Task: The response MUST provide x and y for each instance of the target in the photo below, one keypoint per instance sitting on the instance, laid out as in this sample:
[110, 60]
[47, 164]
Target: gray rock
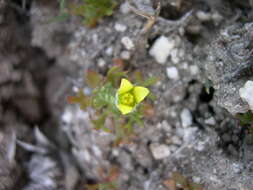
[186, 118]
[230, 65]
[160, 151]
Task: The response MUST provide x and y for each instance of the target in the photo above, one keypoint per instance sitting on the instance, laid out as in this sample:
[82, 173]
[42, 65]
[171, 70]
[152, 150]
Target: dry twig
[151, 18]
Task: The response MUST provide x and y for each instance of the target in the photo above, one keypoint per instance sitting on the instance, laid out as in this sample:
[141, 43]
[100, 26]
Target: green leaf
[151, 96]
[93, 10]
[249, 139]
[93, 79]
[150, 81]
[99, 123]
[62, 5]
[104, 96]
[245, 118]
[114, 74]
[138, 77]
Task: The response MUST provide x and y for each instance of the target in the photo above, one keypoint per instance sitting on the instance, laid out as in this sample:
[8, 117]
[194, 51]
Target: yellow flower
[129, 96]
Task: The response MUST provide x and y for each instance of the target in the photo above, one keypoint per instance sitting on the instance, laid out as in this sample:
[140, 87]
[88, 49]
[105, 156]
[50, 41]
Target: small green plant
[246, 120]
[91, 11]
[117, 106]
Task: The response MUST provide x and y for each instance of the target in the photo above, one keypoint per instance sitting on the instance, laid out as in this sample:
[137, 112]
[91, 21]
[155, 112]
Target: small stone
[194, 29]
[75, 89]
[174, 56]
[125, 160]
[125, 55]
[173, 148]
[124, 8]
[200, 146]
[217, 17]
[120, 27]
[246, 93]
[235, 138]
[86, 155]
[115, 152]
[203, 16]
[101, 62]
[194, 69]
[232, 150]
[196, 179]
[190, 134]
[186, 118]
[166, 126]
[127, 42]
[237, 168]
[109, 51]
[67, 116]
[226, 137]
[160, 151]
[210, 121]
[161, 49]
[172, 73]
[184, 65]
[176, 140]
[97, 151]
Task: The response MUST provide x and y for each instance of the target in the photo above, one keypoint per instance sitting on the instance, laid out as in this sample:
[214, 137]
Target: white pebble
[125, 55]
[200, 146]
[237, 168]
[101, 62]
[174, 56]
[124, 8]
[186, 118]
[109, 51]
[210, 121]
[160, 151]
[194, 69]
[127, 42]
[246, 93]
[96, 151]
[75, 89]
[217, 17]
[203, 16]
[196, 179]
[172, 73]
[120, 27]
[67, 116]
[161, 49]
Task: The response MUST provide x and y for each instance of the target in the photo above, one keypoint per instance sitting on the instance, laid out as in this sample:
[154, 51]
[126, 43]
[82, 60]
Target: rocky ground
[48, 144]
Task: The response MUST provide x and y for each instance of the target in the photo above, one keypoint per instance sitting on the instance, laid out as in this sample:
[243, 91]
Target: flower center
[127, 99]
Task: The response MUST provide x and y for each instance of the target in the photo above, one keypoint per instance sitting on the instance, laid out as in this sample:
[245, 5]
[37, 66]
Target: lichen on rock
[229, 65]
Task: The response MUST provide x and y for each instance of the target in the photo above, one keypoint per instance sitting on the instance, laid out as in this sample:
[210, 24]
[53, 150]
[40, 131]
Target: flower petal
[125, 109]
[140, 93]
[125, 86]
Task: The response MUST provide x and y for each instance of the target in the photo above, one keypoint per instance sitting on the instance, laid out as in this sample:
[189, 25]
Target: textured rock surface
[9, 170]
[230, 65]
